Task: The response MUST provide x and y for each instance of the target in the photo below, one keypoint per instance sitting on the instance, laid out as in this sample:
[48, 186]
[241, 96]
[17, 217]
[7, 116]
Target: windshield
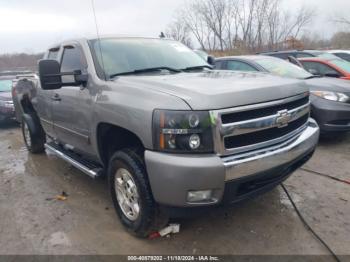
[5, 85]
[342, 64]
[283, 68]
[202, 54]
[120, 55]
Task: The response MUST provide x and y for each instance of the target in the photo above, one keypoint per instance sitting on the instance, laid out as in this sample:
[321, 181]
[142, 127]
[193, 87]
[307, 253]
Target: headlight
[334, 96]
[182, 131]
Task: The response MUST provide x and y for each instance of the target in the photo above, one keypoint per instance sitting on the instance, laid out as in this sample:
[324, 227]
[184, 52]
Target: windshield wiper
[313, 76]
[145, 70]
[197, 67]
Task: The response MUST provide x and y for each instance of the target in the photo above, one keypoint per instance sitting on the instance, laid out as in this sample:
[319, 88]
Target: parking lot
[33, 222]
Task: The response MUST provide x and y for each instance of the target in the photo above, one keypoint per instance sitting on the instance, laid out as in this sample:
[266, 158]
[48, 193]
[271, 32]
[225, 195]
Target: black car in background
[299, 54]
[330, 97]
[7, 109]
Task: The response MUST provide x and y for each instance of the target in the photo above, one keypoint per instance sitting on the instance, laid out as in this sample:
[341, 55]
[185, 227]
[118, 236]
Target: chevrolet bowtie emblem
[283, 118]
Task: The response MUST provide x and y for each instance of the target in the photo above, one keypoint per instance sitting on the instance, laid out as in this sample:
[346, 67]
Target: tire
[126, 168]
[33, 134]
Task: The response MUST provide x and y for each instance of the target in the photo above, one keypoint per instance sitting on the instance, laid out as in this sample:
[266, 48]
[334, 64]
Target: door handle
[56, 97]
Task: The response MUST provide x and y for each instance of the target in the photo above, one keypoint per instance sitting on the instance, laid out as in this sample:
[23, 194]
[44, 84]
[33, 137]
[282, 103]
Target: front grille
[251, 127]
[261, 112]
[265, 135]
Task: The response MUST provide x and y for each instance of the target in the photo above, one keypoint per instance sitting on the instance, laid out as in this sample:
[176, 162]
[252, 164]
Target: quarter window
[53, 54]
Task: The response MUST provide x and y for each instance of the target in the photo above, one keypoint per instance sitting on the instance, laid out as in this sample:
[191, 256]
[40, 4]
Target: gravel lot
[32, 223]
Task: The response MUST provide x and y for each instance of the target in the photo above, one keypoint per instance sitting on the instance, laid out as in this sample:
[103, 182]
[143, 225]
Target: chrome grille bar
[258, 124]
[278, 120]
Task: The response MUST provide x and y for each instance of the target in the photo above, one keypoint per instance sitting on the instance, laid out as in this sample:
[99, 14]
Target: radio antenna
[99, 39]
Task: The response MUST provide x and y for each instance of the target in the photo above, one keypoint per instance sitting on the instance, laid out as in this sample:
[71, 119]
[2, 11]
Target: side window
[239, 66]
[219, 65]
[72, 59]
[319, 68]
[53, 53]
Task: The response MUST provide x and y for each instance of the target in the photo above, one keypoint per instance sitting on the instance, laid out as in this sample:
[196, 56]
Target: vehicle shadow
[333, 139]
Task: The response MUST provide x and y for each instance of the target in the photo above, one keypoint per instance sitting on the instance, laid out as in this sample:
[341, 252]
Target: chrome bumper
[241, 165]
[171, 176]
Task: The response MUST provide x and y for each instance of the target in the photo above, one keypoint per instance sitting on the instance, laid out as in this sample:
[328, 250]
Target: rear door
[72, 105]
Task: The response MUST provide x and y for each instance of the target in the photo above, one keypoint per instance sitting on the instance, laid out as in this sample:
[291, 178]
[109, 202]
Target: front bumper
[172, 176]
[331, 116]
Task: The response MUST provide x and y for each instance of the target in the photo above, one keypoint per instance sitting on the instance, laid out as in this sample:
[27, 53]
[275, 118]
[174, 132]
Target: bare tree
[179, 31]
[196, 24]
[284, 25]
[342, 20]
[229, 24]
[340, 40]
[215, 14]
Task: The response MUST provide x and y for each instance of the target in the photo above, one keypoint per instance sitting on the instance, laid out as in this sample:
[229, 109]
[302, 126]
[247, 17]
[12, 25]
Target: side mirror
[52, 78]
[80, 78]
[49, 73]
[211, 60]
[295, 61]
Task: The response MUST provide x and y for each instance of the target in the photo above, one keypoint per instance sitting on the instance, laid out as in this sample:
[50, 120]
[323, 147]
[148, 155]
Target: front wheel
[33, 135]
[131, 194]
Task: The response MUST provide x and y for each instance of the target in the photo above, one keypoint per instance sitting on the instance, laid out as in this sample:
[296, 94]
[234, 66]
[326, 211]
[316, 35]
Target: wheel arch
[27, 106]
[111, 138]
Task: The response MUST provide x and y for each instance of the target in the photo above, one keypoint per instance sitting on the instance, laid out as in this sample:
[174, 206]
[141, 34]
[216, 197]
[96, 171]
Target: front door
[43, 102]
[71, 107]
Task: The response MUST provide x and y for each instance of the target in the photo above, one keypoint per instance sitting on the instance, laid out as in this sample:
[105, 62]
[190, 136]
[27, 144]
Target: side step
[83, 165]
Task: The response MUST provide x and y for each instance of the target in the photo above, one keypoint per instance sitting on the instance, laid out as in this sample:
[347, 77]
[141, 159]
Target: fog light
[199, 196]
[194, 141]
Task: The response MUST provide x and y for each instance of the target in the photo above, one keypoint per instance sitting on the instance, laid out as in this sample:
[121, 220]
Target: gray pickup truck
[167, 130]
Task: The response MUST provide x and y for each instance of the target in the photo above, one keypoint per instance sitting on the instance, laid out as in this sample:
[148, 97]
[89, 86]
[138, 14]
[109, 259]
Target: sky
[32, 25]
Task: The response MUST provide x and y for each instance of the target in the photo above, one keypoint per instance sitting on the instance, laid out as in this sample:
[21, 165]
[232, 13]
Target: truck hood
[210, 90]
[328, 84]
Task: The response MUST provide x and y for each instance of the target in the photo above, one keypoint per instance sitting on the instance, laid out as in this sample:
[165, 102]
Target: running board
[86, 167]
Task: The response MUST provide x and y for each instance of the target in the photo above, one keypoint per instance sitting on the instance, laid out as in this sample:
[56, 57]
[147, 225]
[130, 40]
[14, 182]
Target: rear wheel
[33, 135]
[131, 194]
